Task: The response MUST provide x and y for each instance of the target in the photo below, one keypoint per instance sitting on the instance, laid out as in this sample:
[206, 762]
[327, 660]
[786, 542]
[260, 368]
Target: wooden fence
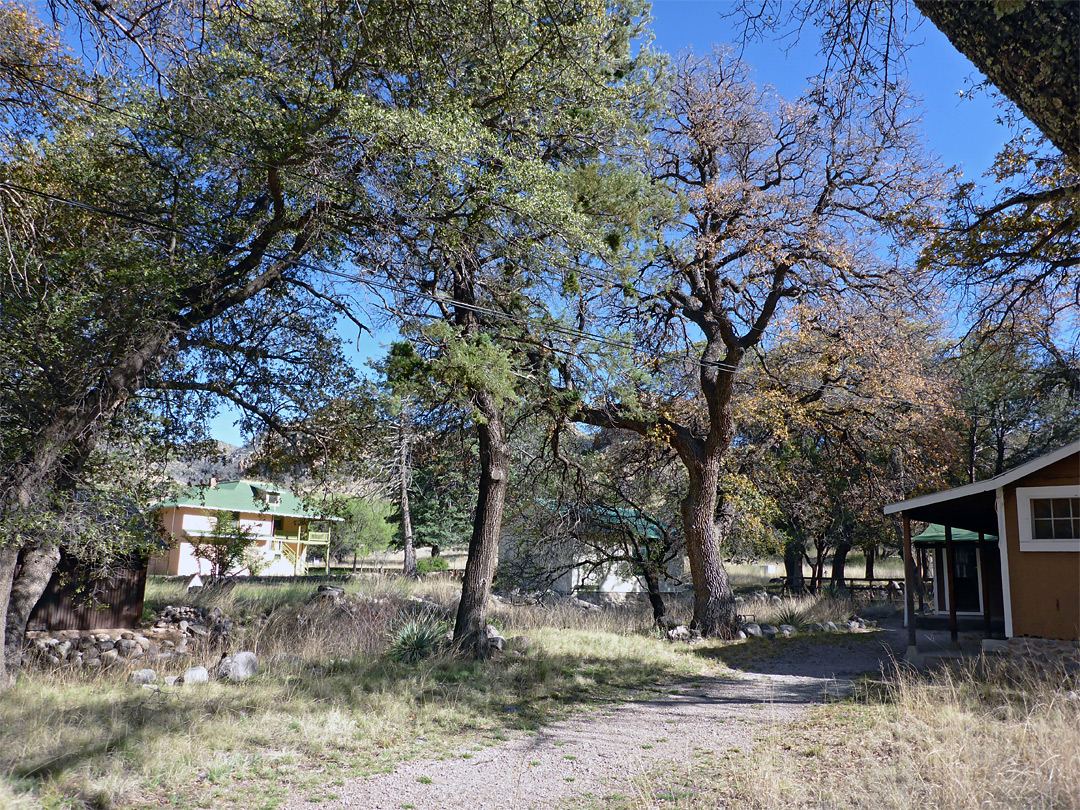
[74, 601]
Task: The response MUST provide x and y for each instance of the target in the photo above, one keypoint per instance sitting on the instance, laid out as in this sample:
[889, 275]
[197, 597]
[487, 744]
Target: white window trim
[1024, 497]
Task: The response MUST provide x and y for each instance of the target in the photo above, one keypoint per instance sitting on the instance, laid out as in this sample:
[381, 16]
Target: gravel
[599, 751]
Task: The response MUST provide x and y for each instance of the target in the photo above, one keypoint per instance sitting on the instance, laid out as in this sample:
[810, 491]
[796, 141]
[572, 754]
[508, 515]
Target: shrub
[416, 640]
[429, 564]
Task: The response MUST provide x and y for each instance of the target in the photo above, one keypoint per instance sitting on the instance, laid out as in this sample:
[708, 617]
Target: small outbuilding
[1007, 548]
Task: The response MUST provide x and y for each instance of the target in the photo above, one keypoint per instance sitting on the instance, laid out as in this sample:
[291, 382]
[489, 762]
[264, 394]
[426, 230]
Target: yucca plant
[794, 616]
[416, 640]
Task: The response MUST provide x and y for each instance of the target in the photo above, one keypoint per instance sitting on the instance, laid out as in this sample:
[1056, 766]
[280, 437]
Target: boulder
[238, 667]
[495, 639]
[143, 676]
[752, 630]
[195, 675]
[830, 627]
[769, 631]
[680, 633]
[787, 630]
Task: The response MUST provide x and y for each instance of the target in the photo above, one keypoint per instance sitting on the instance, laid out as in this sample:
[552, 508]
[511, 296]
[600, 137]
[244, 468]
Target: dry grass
[328, 704]
[966, 738]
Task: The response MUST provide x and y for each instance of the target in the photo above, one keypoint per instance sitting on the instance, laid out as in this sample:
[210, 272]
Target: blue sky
[960, 129]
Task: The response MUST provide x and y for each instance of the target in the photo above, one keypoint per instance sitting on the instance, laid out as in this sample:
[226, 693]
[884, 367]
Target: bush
[416, 640]
[429, 564]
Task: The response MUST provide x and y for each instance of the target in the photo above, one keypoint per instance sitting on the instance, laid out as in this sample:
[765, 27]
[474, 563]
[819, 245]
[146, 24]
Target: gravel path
[595, 752]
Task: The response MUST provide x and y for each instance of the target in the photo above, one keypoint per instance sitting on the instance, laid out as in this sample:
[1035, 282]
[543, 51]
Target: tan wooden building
[1028, 518]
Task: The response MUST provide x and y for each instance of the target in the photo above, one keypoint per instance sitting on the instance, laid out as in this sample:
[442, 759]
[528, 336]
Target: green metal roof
[243, 496]
[935, 533]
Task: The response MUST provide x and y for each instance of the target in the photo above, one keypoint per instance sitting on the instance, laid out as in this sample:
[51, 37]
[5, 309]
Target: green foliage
[227, 548]
[366, 528]
[416, 640]
[428, 565]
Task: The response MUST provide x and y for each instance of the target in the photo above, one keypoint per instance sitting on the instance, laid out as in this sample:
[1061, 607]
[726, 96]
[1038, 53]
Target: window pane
[1076, 528]
[1061, 507]
[1042, 529]
[1040, 508]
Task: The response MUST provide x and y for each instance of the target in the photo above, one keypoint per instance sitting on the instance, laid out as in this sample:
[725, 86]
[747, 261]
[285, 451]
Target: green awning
[935, 533]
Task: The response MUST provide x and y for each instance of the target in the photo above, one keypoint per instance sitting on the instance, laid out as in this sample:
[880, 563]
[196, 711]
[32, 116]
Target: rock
[787, 630]
[495, 639]
[104, 646]
[92, 663]
[817, 627]
[110, 656]
[776, 600]
[143, 676]
[239, 667]
[680, 633]
[741, 634]
[752, 630]
[183, 626]
[667, 622]
[52, 659]
[830, 627]
[102, 638]
[769, 631]
[199, 630]
[171, 680]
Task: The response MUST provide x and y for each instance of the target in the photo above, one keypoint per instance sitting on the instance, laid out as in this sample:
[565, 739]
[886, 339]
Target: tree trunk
[470, 628]
[8, 557]
[871, 554]
[652, 583]
[714, 601]
[839, 563]
[793, 566]
[435, 550]
[410, 568]
[37, 566]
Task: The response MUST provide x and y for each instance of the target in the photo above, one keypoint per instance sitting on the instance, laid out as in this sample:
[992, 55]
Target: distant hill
[223, 461]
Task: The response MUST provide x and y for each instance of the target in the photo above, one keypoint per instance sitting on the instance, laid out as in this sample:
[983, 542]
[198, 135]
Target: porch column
[950, 572]
[985, 579]
[909, 582]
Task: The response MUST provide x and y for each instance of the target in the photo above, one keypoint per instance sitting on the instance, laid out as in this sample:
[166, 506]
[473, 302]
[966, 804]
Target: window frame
[1024, 497]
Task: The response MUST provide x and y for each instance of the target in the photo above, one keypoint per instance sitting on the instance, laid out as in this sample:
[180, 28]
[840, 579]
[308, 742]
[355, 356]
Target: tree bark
[871, 554]
[1029, 50]
[839, 563]
[9, 556]
[714, 600]
[37, 566]
[793, 566]
[410, 568]
[470, 627]
[652, 584]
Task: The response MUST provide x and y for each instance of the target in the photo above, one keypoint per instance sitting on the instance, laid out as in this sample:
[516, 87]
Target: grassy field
[332, 703]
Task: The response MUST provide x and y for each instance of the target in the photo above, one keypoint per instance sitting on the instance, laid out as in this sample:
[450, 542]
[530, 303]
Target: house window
[273, 498]
[1048, 518]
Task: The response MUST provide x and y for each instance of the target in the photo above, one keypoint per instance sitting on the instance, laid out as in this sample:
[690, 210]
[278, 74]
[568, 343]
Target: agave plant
[416, 640]
[792, 615]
